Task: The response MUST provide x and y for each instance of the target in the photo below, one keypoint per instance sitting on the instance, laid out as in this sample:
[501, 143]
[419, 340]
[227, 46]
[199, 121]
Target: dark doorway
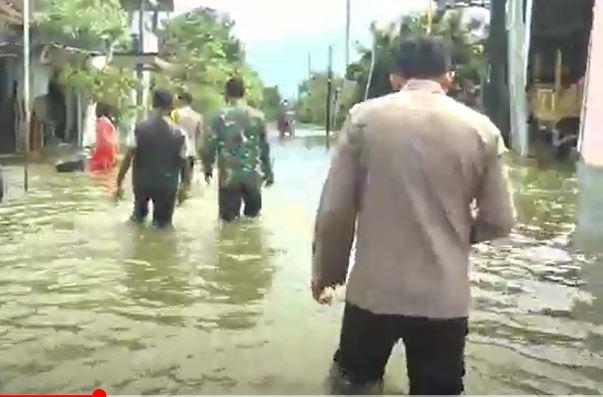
[57, 110]
[8, 96]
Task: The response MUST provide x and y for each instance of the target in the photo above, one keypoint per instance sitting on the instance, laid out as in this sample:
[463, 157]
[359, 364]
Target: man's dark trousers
[434, 350]
[164, 201]
[231, 197]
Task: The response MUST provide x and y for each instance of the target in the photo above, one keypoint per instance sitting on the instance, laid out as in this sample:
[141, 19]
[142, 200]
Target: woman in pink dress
[106, 148]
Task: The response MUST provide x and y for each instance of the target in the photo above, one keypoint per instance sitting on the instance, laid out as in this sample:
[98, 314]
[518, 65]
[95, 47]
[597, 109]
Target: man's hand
[118, 194]
[268, 181]
[319, 293]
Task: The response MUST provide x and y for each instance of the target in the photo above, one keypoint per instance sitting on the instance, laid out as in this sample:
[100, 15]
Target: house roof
[148, 60]
[49, 53]
[11, 11]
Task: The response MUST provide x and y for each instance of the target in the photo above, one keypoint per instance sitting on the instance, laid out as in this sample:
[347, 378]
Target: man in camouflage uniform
[238, 139]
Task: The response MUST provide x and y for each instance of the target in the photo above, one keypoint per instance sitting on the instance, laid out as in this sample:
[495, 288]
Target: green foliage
[88, 24]
[111, 86]
[203, 42]
[91, 25]
[467, 54]
[312, 103]
[271, 102]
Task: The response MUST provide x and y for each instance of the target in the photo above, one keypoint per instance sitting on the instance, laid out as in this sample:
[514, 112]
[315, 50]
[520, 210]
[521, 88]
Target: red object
[283, 125]
[96, 393]
[104, 157]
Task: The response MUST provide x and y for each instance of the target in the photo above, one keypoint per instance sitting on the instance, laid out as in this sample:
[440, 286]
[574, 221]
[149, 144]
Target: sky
[279, 34]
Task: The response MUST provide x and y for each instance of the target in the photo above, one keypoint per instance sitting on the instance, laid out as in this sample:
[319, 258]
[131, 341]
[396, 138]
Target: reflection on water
[240, 277]
[88, 300]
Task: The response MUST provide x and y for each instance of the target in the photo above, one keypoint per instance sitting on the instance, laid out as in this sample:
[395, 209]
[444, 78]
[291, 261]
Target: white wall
[591, 143]
[519, 35]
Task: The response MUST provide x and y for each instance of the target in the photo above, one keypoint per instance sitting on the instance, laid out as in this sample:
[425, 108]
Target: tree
[87, 24]
[312, 103]
[467, 53]
[271, 102]
[203, 43]
[90, 25]
[110, 85]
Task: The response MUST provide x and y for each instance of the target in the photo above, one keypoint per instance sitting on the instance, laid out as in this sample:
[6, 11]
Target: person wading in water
[402, 181]
[157, 151]
[238, 138]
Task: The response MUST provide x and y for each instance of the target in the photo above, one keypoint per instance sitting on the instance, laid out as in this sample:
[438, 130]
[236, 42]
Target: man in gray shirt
[403, 180]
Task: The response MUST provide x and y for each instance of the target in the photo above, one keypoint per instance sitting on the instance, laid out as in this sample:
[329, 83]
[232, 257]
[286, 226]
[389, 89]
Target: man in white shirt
[191, 123]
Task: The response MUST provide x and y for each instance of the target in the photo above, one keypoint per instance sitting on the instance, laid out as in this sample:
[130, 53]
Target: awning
[58, 54]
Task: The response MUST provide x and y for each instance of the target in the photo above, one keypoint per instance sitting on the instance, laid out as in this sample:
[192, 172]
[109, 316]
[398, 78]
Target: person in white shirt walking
[191, 122]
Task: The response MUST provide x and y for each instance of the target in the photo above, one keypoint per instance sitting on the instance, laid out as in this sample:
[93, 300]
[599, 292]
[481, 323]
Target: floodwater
[89, 301]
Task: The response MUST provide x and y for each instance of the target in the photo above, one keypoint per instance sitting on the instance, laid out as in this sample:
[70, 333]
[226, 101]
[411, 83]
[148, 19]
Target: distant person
[402, 181]
[157, 151]
[191, 123]
[238, 140]
[106, 146]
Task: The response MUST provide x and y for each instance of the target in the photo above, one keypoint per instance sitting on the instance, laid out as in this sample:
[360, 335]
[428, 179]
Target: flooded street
[89, 301]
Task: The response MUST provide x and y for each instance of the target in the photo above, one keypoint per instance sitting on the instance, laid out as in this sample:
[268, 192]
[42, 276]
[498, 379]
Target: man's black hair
[186, 98]
[422, 58]
[163, 99]
[235, 88]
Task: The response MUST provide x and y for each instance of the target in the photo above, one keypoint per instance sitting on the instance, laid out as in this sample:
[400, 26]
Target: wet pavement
[89, 301]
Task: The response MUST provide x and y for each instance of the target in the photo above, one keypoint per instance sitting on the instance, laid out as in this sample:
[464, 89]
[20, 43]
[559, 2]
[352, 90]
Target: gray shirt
[402, 181]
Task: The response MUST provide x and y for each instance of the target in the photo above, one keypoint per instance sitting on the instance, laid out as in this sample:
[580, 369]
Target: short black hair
[163, 99]
[186, 98]
[422, 57]
[235, 88]
[102, 109]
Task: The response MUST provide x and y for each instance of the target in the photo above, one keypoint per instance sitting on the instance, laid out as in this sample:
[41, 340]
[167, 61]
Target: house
[56, 112]
[537, 57]
[590, 143]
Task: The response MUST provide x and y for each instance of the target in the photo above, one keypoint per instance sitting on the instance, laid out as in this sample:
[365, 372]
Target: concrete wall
[40, 76]
[591, 142]
[519, 44]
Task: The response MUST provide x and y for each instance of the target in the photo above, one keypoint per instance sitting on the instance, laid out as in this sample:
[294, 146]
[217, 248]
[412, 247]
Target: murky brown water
[87, 301]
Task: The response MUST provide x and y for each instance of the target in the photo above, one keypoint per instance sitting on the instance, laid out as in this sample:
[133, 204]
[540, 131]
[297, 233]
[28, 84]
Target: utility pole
[309, 65]
[26, 92]
[429, 16]
[329, 89]
[369, 81]
[140, 51]
[347, 32]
